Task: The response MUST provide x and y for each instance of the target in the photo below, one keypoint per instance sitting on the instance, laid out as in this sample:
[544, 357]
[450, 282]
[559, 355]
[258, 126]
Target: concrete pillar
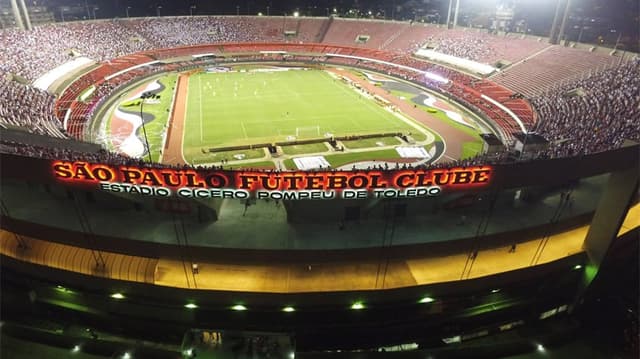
[610, 213]
[16, 14]
[27, 19]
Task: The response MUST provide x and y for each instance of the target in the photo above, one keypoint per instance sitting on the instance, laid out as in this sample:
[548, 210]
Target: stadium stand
[411, 37]
[310, 30]
[117, 44]
[478, 45]
[601, 119]
[555, 64]
[119, 286]
[29, 108]
[373, 33]
[100, 40]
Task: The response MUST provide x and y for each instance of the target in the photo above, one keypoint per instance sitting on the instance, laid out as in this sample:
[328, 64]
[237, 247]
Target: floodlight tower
[455, 14]
[565, 16]
[449, 15]
[27, 19]
[553, 37]
[16, 14]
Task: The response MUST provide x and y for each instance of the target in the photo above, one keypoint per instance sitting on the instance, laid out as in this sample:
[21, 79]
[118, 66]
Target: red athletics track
[453, 137]
[172, 154]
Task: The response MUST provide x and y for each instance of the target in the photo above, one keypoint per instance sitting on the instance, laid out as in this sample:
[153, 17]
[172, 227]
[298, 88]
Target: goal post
[307, 132]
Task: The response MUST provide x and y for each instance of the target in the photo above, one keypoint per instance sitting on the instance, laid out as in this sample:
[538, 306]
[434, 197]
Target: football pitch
[243, 108]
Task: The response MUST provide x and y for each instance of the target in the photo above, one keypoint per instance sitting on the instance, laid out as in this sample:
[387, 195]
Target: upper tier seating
[478, 45]
[555, 64]
[307, 29]
[412, 37]
[607, 114]
[32, 53]
[345, 32]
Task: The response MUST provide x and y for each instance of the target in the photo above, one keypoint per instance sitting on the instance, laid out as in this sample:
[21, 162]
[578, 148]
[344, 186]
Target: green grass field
[239, 108]
[211, 157]
[372, 142]
[309, 148]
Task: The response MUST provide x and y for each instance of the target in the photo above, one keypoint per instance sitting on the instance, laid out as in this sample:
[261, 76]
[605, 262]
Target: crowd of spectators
[31, 53]
[183, 31]
[105, 40]
[481, 46]
[467, 45]
[67, 154]
[591, 115]
[24, 51]
[607, 113]
[594, 114]
[27, 107]
[104, 156]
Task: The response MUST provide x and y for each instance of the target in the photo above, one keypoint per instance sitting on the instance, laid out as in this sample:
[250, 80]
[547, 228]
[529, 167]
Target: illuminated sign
[192, 183]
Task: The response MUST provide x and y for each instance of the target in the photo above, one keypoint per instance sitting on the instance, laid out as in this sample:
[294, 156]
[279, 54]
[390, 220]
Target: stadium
[262, 185]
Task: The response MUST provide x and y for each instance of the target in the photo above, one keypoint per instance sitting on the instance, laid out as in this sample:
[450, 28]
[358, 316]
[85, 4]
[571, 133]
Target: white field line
[244, 130]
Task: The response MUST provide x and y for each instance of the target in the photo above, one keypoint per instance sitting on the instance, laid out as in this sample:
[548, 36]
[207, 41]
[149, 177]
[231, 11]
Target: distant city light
[126, 355]
[540, 348]
[259, 14]
[117, 296]
[495, 290]
[426, 300]
[191, 306]
[239, 307]
[296, 14]
[75, 349]
[357, 306]
[289, 309]
[577, 266]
